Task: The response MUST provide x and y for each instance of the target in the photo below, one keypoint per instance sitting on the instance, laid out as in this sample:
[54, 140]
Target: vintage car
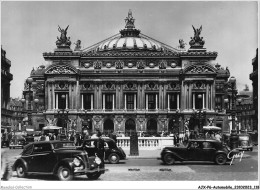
[244, 141]
[112, 153]
[17, 141]
[198, 150]
[58, 158]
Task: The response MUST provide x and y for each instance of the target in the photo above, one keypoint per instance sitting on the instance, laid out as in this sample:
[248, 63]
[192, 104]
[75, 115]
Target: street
[151, 169]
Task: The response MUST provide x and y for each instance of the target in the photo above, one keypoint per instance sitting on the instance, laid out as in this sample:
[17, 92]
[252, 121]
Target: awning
[211, 128]
[51, 127]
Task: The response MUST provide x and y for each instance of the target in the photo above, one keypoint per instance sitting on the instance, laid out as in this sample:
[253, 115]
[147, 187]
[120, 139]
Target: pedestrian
[47, 138]
[42, 137]
[218, 137]
[112, 135]
[72, 138]
[175, 139]
[100, 145]
[6, 170]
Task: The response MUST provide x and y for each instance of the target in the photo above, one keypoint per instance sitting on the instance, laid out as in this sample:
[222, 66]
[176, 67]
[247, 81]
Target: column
[104, 102]
[70, 103]
[113, 102]
[156, 101]
[56, 105]
[49, 96]
[82, 102]
[178, 101]
[66, 101]
[146, 106]
[91, 102]
[193, 96]
[53, 97]
[125, 101]
[207, 96]
[168, 103]
[134, 101]
[203, 101]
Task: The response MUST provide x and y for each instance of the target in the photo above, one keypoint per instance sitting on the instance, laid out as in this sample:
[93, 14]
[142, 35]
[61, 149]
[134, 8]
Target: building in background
[6, 78]
[129, 82]
[245, 110]
[254, 77]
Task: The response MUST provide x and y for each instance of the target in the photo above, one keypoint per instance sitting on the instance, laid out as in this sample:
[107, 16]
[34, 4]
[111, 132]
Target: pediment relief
[61, 69]
[198, 69]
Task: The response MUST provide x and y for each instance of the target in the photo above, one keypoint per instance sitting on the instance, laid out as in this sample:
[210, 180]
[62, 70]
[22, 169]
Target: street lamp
[63, 114]
[29, 81]
[232, 110]
[199, 114]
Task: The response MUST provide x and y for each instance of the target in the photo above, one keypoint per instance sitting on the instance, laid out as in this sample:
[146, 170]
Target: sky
[30, 28]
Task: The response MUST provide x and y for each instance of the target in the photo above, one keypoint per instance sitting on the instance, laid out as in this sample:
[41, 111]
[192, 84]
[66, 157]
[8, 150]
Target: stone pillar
[207, 96]
[91, 101]
[178, 101]
[203, 101]
[53, 97]
[56, 105]
[193, 95]
[134, 101]
[113, 96]
[104, 102]
[82, 105]
[125, 102]
[156, 101]
[168, 103]
[49, 95]
[213, 94]
[146, 102]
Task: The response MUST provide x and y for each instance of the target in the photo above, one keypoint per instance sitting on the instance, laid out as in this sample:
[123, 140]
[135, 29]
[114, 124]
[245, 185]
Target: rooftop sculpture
[63, 40]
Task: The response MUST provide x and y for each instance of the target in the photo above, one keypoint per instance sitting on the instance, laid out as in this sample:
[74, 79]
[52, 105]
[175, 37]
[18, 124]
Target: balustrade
[147, 142]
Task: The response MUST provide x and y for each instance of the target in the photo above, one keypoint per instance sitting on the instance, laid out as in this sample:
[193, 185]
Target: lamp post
[232, 110]
[29, 81]
[63, 114]
[200, 114]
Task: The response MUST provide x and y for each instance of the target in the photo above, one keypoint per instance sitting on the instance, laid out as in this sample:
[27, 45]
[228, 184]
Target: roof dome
[130, 39]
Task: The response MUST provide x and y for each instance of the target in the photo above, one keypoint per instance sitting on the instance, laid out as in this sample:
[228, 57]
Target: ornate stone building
[6, 78]
[254, 77]
[129, 82]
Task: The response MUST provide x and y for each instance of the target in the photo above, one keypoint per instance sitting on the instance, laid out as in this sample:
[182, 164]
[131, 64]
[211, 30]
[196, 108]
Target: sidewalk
[154, 154]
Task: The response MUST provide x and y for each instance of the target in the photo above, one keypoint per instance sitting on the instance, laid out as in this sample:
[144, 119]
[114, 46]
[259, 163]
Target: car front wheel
[64, 173]
[113, 158]
[221, 159]
[168, 159]
[93, 176]
[20, 170]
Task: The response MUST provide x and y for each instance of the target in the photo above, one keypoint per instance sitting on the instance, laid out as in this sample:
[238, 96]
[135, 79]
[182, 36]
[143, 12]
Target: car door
[43, 158]
[195, 151]
[208, 150]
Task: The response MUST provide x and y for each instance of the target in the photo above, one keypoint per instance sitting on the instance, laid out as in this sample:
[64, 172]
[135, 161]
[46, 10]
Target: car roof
[49, 142]
[203, 140]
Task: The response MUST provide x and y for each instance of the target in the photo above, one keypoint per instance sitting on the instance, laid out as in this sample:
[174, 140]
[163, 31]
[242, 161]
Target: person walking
[100, 145]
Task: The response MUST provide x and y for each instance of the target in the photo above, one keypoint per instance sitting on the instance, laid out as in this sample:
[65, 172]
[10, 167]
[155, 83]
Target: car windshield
[64, 145]
[244, 138]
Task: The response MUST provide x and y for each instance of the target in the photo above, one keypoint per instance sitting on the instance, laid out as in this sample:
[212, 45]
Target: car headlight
[76, 161]
[98, 160]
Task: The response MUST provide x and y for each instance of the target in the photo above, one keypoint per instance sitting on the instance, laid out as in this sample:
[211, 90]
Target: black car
[198, 150]
[112, 153]
[59, 158]
[17, 141]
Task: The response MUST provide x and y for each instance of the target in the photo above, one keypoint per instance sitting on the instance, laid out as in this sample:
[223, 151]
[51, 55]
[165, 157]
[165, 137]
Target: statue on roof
[196, 40]
[182, 44]
[78, 45]
[130, 20]
[63, 40]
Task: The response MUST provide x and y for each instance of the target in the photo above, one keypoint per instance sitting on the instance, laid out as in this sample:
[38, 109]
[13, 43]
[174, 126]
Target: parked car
[59, 158]
[198, 150]
[17, 141]
[112, 153]
[244, 141]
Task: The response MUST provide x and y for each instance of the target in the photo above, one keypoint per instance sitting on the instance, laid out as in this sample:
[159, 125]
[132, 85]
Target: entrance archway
[108, 126]
[152, 127]
[129, 127]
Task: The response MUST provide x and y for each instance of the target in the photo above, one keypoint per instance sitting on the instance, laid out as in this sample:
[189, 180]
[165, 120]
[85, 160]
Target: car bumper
[79, 171]
[245, 148]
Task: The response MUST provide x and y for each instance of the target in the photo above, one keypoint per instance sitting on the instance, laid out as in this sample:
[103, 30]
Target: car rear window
[64, 145]
[41, 148]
